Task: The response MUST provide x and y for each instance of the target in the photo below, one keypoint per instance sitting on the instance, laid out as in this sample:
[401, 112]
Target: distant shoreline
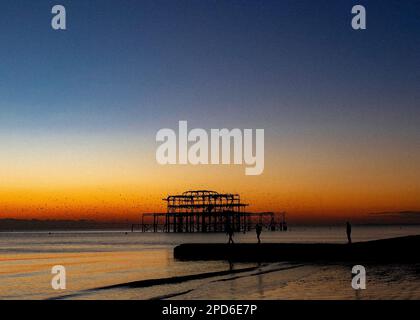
[35, 225]
[9, 225]
[124, 228]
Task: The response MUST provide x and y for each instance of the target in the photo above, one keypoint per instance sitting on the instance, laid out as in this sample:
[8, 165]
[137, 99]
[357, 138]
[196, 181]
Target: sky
[80, 108]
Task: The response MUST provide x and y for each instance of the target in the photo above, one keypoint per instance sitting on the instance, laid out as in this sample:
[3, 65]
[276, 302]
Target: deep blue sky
[141, 65]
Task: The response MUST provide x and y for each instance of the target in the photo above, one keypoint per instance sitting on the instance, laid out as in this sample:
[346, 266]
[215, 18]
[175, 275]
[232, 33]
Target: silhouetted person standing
[229, 231]
[348, 232]
[258, 229]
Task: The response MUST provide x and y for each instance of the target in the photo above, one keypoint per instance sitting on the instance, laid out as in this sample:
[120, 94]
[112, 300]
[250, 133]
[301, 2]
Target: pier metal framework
[208, 211]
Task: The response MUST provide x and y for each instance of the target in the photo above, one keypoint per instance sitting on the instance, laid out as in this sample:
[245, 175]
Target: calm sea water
[97, 259]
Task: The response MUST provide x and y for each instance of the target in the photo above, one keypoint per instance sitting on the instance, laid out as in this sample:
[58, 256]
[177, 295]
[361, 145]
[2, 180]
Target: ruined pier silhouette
[208, 211]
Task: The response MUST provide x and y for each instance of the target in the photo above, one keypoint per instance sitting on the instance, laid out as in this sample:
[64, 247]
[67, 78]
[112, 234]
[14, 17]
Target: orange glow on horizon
[86, 182]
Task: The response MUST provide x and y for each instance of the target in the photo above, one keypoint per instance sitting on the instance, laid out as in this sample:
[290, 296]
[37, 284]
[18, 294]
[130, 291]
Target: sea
[140, 266]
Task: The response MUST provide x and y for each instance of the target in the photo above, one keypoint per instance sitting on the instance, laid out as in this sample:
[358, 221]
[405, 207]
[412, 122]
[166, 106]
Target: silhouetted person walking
[229, 231]
[348, 232]
[258, 230]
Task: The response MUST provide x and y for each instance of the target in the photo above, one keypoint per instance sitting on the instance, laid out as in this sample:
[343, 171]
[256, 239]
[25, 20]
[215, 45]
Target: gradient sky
[79, 109]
